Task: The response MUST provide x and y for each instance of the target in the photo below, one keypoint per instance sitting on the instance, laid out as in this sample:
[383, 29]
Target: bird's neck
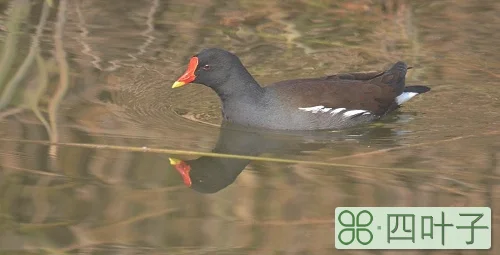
[240, 85]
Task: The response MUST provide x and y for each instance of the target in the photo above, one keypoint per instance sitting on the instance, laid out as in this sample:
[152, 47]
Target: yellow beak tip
[174, 161]
[178, 84]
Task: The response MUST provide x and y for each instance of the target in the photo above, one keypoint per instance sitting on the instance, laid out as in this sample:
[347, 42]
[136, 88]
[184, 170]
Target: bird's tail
[419, 89]
[409, 92]
[395, 76]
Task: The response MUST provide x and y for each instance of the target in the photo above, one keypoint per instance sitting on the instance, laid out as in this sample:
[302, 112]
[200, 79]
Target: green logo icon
[355, 227]
[406, 228]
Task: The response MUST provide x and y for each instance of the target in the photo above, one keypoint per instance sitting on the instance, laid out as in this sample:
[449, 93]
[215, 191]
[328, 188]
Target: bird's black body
[330, 102]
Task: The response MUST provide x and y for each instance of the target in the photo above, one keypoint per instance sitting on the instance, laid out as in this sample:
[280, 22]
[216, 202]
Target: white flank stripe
[320, 108]
[405, 97]
[353, 112]
[313, 109]
[337, 110]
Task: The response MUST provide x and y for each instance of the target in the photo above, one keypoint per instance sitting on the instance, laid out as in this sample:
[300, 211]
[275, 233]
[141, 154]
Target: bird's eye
[206, 67]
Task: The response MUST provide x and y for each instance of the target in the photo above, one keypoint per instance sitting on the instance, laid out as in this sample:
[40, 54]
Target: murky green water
[95, 76]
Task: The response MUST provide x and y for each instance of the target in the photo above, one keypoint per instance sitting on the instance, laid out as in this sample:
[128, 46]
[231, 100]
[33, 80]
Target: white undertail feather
[321, 108]
[405, 96]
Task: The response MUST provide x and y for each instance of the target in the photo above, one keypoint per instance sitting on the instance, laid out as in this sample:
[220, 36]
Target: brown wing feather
[349, 94]
[371, 91]
[361, 76]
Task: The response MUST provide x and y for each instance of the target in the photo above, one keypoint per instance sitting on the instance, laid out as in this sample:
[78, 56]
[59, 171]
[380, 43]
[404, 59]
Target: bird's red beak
[188, 76]
[183, 168]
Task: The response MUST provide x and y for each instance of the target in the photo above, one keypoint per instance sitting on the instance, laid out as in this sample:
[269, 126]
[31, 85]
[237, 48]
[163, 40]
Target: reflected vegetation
[88, 123]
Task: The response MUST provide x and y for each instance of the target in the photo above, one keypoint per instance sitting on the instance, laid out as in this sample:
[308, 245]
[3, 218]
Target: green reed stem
[19, 12]
[60, 56]
[210, 154]
[10, 89]
[43, 79]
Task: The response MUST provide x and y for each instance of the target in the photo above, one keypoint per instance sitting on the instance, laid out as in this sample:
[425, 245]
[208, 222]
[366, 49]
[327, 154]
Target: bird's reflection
[209, 174]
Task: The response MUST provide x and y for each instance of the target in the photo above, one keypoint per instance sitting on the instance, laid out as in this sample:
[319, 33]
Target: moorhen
[331, 102]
